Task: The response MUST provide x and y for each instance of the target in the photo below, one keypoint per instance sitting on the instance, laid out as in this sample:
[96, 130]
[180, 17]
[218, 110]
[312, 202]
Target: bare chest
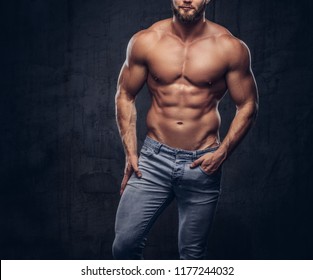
[200, 63]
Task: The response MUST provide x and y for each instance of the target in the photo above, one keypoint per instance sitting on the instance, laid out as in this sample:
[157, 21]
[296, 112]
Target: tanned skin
[188, 67]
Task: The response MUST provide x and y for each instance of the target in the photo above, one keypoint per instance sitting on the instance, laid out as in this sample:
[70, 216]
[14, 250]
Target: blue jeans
[166, 174]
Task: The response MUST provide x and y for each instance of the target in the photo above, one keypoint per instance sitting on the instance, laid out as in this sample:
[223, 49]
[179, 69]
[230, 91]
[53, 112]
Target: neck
[188, 31]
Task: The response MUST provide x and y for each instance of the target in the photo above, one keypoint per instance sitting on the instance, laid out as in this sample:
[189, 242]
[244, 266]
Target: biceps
[132, 79]
[242, 87]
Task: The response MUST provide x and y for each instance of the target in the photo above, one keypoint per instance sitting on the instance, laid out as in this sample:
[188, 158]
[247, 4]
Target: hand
[210, 162]
[130, 167]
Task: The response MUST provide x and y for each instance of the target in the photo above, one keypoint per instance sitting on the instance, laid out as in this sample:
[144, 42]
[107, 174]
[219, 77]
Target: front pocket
[196, 180]
[147, 151]
[204, 171]
[217, 172]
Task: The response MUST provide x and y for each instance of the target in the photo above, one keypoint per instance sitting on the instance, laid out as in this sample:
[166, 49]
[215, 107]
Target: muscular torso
[186, 81]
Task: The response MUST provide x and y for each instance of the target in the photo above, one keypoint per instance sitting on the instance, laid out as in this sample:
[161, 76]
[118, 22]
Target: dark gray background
[62, 159]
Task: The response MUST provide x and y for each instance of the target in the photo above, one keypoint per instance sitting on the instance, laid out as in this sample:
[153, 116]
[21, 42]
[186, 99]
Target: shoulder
[232, 45]
[234, 50]
[148, 36]
[227, 42]
[141, 42]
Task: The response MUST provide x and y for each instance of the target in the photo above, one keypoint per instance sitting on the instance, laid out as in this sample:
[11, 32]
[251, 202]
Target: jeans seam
[153, 217]
[182, 175]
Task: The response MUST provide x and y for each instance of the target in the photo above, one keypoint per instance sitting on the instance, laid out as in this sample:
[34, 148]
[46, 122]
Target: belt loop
[158, 148]
[194, 155]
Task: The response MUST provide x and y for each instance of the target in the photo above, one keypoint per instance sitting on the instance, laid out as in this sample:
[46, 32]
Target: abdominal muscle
[184, 120]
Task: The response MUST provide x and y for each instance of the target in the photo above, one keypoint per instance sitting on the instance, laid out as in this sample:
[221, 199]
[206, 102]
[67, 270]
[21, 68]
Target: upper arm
[239, 77]
[134, 70]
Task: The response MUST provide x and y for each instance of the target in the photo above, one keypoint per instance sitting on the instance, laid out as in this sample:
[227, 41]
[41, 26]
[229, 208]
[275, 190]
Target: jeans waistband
[160, 147]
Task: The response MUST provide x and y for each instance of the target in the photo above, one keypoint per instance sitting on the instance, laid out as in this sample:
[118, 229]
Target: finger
[209, 169]
[123, 185]
[124, 182]
[138, 174]
[196, 163]
[121, 190]
[136, 170]
[206, 170]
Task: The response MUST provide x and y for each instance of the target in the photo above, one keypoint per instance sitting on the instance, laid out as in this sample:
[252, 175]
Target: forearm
[126, 120]
[242, 122]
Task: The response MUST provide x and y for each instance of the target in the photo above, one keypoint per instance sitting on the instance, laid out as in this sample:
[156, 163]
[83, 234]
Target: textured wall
[61, 157]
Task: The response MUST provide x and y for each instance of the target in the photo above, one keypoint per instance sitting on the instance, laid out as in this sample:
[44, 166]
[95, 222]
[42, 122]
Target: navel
[179, 123]
[155, 78]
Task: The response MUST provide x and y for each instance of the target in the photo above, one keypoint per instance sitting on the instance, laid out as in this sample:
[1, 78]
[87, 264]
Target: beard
[189, 18]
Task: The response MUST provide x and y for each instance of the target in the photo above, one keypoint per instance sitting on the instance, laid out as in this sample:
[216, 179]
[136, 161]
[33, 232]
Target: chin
[187, 18]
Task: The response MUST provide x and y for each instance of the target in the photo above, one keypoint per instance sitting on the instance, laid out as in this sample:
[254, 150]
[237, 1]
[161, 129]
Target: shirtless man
[188, 63]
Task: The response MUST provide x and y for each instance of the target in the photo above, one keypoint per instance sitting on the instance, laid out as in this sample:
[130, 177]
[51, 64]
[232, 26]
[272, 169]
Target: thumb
[136, 170]
[196, 163]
